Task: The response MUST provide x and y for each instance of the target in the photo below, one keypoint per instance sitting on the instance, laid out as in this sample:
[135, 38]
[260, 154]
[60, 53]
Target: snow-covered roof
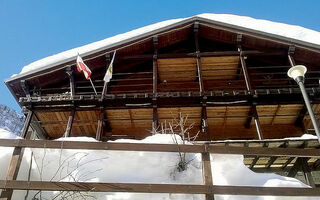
[288, 32]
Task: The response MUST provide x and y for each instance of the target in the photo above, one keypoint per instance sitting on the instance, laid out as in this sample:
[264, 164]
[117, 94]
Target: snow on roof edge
[288, 32]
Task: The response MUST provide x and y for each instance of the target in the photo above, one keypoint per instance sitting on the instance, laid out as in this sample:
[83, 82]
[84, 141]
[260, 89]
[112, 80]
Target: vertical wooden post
[27, 124]
[307, 173]
[204, 119]
[199, 71]
[72, 84]
[155, 122]
[257, 122]
[100, 125]
[206, 173]
[69, 124]
[13, 169]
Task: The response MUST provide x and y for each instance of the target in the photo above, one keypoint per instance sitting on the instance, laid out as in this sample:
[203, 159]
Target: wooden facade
[231, 82]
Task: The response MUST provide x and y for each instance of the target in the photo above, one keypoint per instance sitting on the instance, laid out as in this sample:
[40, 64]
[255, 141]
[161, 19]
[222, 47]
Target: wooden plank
[13, 169]
[206, 173]
[99, 132]
[69, 124]
[158, 188]
[307, 173]
[261, 151]
[27, 124]
[295, 168]
[198, 59]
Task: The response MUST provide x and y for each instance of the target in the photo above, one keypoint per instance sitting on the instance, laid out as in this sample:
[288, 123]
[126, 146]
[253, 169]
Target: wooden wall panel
[177, 69]
[224, 67]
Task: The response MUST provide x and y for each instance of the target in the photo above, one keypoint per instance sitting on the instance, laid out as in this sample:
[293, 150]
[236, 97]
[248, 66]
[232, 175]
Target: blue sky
[31, 30]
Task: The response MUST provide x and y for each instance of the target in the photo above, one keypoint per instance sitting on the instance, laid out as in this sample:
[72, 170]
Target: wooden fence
[207, 188]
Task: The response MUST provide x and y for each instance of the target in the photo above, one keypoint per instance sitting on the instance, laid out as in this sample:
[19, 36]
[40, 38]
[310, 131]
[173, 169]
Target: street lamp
[297, 73]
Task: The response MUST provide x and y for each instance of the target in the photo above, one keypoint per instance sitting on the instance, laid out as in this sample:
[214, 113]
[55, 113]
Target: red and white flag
[83, 67]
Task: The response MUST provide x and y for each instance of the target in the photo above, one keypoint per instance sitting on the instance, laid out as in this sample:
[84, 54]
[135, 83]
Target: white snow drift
[280, 29]
[135, 167]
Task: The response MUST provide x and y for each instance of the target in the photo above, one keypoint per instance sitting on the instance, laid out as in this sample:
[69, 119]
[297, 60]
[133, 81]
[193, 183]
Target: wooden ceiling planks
[224, 67]
[177, 69]
[307, 121]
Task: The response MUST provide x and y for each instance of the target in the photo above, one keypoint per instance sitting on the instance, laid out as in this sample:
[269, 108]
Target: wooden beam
[69, 124]
[204, 119]
[155, 121]
[197, 148]
[155, 67]
[295, 168]
[206, 173]
[204, 54]
[307, 173]
[100, 128]
[27, 124]
[14, 167]
[254, 162]
[257, 123]
[158, 188]
[197, 48]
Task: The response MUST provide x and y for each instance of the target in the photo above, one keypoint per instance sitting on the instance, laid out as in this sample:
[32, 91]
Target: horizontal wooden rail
[157, 188]
[197, 148]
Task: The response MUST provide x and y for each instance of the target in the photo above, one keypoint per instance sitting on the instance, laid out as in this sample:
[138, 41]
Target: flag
[108, 74]
[83, 67]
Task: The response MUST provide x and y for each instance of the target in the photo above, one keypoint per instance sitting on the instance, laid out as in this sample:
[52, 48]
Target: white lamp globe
[295, 71]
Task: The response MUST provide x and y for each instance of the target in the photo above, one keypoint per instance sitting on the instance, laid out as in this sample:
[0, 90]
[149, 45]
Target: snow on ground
[136, 167]
[280, 29]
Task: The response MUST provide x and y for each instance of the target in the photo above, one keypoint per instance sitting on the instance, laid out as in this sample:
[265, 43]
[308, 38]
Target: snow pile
[136, 167]
[280, 29]
[5, 134]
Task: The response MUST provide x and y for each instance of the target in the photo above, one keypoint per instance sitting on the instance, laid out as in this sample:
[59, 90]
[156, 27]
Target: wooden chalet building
[230, 81]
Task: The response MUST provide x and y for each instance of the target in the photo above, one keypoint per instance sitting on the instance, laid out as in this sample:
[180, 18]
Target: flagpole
[93, 86]
[104, 90]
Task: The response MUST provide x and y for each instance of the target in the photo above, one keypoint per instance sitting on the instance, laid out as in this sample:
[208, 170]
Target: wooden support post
[254, 162]
[100, 127]
[13, 169]
[72, 84]
[155, 121]
[204, 119]
[307, 173]
[27, 124]
[206, 173]
[295, 168]
[199, 71]
[69, 124]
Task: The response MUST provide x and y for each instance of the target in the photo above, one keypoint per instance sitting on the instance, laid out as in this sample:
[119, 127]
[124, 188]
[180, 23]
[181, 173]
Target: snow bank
[136, 167]
[289, 31]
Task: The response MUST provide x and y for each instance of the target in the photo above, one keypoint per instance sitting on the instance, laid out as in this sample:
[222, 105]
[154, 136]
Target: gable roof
[284, 32]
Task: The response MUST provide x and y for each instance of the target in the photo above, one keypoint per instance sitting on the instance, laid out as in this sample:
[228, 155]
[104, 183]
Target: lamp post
[297, 73]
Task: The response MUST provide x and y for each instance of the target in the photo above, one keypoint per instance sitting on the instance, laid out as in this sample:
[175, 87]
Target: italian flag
[83, 67]
[108, 74]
